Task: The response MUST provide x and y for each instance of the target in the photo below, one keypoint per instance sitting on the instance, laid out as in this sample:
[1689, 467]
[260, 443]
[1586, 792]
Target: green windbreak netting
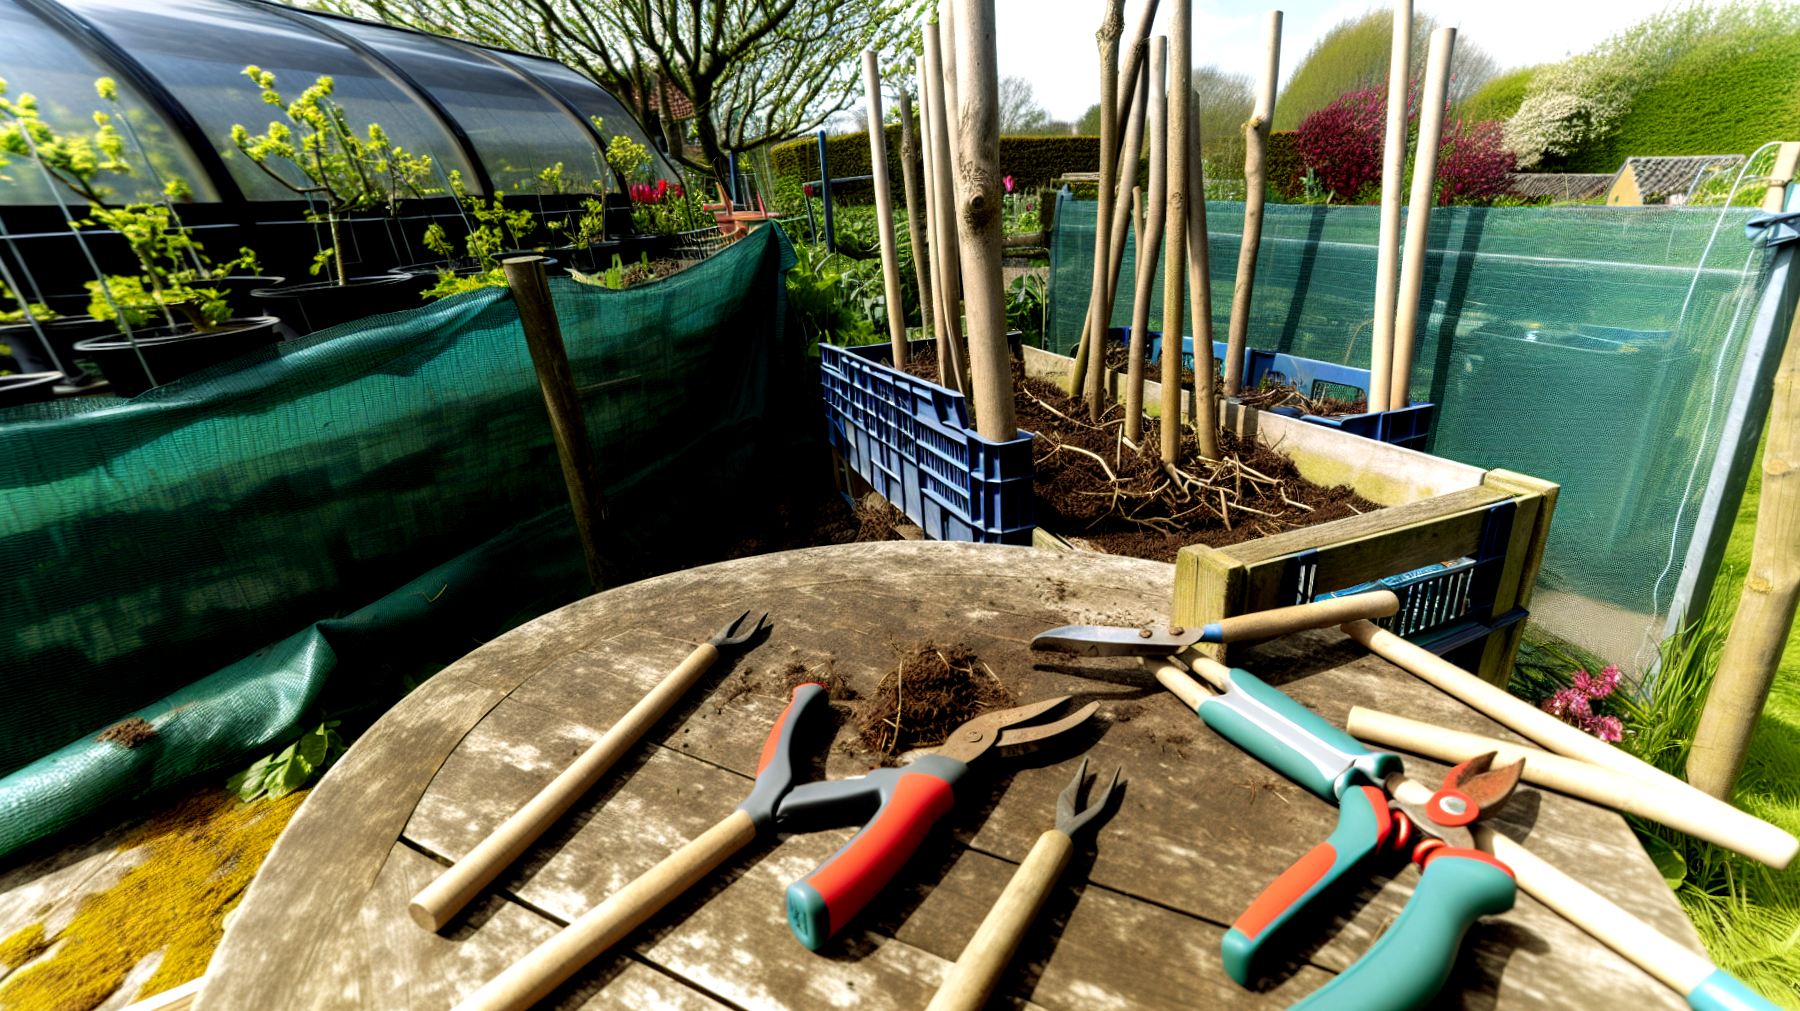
[227, 554]
[1591, 346]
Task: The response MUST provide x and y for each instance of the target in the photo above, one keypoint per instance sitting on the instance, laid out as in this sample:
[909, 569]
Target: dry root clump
[930, 692]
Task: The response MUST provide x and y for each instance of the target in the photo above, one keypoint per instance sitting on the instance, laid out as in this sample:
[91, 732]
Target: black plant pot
[307, 308]
[172, 355]
[62, 333]
[29, 388]
[240, 294]
[433, 268]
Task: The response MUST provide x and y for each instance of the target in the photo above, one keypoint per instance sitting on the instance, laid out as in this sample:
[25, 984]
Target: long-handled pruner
[897, 808]
[971, 980]
[1407, 967]
[451, 891]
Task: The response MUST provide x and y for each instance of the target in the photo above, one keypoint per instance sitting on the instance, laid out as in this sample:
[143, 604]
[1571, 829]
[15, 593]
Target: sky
[1051, 42]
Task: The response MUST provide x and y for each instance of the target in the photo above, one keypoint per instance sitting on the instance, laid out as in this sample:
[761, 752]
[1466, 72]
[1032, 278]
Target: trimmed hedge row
[1032, 161]
[1287, 169]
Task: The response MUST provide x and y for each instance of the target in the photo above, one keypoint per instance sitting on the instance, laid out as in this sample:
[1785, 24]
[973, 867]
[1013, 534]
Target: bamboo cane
[980, 209]
[1766, 604]
[1418, 216]
[1206, 419]
[1149, 240]
[1393, 171]
[884, 209]
[944, 200]
[909, 176]
[933, 243]
[1256, 178]
[1175, 226]
[543, 337]
[1099, 311]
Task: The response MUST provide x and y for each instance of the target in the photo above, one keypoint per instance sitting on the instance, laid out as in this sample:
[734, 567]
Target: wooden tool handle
[526, 981]
[1515, 713]
[1683, 810]
[1319, 614]
[972, 978]
[1676, 966]
[445, 897]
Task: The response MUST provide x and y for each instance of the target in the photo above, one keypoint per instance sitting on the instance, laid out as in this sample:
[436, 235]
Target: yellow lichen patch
[23, 946]
[202, 854]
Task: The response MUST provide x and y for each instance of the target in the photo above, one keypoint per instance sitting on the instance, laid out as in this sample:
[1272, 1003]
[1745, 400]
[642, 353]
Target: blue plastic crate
[911, 440]
[1122, 335]
[1408, 426]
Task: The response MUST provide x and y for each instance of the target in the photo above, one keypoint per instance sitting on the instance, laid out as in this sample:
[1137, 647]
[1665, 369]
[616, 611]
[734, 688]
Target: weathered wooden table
[1136, 921]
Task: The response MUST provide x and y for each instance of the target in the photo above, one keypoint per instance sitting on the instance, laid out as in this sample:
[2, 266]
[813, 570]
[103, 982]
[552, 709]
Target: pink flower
[1607, 728]
[1569, 706]
[1009, 183]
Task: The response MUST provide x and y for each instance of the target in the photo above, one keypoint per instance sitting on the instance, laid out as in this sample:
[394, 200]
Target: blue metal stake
[825, 189]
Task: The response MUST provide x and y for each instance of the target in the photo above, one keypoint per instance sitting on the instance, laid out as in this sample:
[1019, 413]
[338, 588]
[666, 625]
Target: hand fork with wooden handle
[971, 980]
[444, 898]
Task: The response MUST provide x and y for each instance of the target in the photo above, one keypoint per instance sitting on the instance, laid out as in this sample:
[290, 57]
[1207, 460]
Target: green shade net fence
[1591, 346]
[231, 554]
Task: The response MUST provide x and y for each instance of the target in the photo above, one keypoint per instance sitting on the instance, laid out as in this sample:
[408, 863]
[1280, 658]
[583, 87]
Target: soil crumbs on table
[931, 691]
[1091, 485]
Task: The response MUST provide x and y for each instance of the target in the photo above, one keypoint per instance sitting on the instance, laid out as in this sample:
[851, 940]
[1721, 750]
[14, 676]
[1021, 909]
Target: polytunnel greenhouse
[491, 120]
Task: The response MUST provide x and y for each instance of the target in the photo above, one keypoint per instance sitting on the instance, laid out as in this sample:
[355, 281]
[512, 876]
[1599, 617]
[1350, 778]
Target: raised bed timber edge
[913, 442]
[1490, 526]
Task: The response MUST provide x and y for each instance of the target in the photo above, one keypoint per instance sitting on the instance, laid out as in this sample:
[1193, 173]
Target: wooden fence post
[1418, 218]
[1256, 178]
[543, 336]
[980, 209]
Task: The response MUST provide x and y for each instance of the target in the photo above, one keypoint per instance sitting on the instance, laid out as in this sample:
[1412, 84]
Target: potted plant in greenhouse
[152, 344]
[31, 380]
[348, 172]
[499, 233]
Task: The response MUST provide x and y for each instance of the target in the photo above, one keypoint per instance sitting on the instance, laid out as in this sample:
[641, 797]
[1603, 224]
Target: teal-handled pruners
[1381, 811]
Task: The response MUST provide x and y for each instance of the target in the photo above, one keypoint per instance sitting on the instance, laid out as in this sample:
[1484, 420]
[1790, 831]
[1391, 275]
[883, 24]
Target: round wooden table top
[1135, 922]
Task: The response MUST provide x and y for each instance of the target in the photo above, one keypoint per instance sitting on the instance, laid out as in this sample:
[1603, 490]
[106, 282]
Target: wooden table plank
[1201, 829]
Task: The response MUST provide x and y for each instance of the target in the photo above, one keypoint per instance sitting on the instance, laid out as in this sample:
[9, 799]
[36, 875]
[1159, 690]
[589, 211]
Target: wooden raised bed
[1434, 510]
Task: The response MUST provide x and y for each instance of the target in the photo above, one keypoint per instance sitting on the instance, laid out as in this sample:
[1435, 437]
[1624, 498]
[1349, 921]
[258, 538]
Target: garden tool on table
[451, 891]
[1412, 960]
[977, 969]
[902, 805]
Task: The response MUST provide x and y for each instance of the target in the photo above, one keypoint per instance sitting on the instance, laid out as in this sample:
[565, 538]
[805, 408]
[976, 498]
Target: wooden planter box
[1434, 511]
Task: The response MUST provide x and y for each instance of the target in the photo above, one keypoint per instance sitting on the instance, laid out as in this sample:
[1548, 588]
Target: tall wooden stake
[909, 177]
[1181, 62]
[1132, 57]
[1139, 89]
[944, 200]
[1418, 216]
[934, 242]
[1767, 603]
[884, 209]
[980, 207]
[1099, 310]
[1149, 240]
[1256, 184]
[1393, 172]
[543, 336]
[1206, 416]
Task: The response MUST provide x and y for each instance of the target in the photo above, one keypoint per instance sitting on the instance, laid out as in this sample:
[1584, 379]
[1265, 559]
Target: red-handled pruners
[897, 807]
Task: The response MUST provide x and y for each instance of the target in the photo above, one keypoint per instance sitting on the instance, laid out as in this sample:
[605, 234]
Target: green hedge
[1287, 169]
[1499, 98]
[1712, 102]
[1032, 161]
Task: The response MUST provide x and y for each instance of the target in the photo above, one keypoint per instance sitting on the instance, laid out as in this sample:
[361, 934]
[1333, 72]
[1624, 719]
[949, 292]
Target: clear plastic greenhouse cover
[1591, 346]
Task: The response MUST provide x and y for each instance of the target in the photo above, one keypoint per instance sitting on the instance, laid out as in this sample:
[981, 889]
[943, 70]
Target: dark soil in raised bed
[1093, 487]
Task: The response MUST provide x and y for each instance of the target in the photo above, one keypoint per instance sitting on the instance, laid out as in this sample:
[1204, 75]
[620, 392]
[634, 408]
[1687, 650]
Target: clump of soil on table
[128, 733]
[931, 691]
[878, 519]
[1123, 500]
[822, 672]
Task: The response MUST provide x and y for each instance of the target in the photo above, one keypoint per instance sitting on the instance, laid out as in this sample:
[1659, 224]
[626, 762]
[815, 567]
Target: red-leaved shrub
[1341, 143]
[1473, 163]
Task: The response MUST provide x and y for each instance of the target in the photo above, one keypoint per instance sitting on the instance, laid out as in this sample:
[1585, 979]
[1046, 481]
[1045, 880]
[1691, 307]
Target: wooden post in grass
[884, 209]
[543, 336]
[1175, 176]
[1393, 173]
[943, 201]
[934, 242]
[909, 176]
[1256, 180]
[1149, 239]
[980, 209]
[1206, 415]
[1100, 312]
[1766, 605]
[1418, 217]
